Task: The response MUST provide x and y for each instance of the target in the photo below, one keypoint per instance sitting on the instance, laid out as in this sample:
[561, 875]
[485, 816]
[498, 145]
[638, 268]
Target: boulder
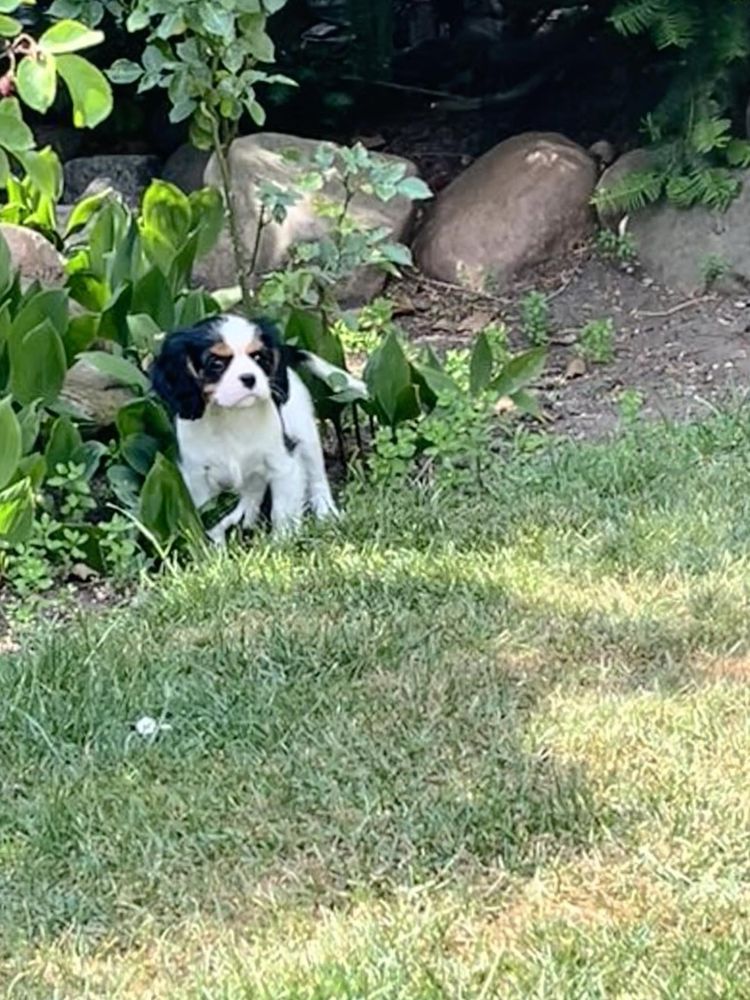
[186, 168]
[524, 201]
[33, 255]
[258, 158]
[687, 249]
[129, 175]
[93, 395]
[634, 161]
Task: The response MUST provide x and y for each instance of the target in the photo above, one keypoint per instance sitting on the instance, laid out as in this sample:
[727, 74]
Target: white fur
[238, 444]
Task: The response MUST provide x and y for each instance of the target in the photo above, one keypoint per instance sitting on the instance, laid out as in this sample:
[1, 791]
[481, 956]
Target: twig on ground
[662, 314]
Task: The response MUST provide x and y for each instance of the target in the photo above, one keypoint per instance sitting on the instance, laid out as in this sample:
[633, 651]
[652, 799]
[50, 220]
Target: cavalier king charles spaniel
[245, 420]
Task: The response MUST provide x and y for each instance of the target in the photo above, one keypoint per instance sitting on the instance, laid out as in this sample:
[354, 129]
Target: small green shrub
[616, 246]
[535, 318]
[596, 341]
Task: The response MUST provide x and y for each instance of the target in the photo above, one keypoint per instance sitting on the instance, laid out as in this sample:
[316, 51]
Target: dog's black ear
[276, 367]
[175, 379]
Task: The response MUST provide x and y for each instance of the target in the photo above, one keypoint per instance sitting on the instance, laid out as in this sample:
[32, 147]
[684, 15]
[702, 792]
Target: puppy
[245, 420]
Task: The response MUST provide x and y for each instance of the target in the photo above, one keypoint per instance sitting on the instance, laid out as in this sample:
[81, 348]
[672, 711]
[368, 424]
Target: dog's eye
[214, 366]
[263, 358]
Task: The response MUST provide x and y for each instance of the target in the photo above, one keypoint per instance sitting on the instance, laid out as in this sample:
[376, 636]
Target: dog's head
[226, 361]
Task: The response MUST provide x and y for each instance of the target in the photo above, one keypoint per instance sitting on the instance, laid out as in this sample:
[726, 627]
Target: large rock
[686, 249]
[258, 158]
[634, 161]
[33, 255]
[525, 201]
[95, 397]
[186, 168]
[129, 175]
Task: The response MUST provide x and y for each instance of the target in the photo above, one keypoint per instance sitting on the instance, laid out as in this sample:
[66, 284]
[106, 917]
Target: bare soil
[686, 357]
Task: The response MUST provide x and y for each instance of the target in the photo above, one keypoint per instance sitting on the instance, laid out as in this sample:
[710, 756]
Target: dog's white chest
[230, 449]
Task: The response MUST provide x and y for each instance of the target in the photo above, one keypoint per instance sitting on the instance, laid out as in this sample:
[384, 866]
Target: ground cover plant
[459, 746]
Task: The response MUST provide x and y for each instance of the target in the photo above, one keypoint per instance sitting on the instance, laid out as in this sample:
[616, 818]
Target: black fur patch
[176, 375]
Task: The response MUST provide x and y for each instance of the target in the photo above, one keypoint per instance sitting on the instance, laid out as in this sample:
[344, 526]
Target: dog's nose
[248, 381]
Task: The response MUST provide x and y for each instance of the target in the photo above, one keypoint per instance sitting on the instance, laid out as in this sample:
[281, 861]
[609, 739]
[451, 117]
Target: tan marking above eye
[221, 350]
[254, 347]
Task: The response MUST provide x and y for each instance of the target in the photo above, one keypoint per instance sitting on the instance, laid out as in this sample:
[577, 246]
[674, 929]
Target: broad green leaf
[8, 6]
[124, 71]
[120, 370]
[44, 170]
[4, 168]
[388, 376]
[37, 364]
[63, 443]
[143, 332]
[153, 296]
[480, 365]
[16, 512]
[207, 217]
[80, 335]
[10, 441]
[166, 210]
[519, 371]
[89, 455]
[51, 305]
[84, 210]
[308, 330]
[114, 320]
[69, 36]
[414, 188]
[29, 420]
[34, 468]
[527, 403]
[125, 484]
[15, 134]
[36, 81]
[9, 26]
[433, 382]
[145, 416]
[139, 451]
[89, 90]
[166, 509]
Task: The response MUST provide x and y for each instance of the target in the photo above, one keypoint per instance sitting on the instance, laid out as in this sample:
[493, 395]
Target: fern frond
[738, 153]
[632, 193]
[676, 27]
[633, 17]
[712, 186]
[711, 133]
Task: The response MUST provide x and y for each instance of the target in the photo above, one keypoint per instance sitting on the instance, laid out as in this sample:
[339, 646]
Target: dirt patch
[685, 357]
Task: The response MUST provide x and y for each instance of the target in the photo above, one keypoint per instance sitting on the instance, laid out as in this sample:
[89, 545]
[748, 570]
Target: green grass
[491, 746]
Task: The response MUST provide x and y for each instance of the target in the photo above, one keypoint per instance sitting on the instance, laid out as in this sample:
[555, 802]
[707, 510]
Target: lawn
[454, 747]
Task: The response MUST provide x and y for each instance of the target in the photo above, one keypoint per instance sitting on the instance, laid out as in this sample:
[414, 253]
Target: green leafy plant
[434, 424]
[535, 318]
[31, 71]
[713, 268]
[596, 341]
[618, 246]
[705, 44]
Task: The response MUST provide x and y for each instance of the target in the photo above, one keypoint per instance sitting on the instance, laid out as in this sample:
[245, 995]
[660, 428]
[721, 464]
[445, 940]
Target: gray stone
[258, 158]
[634, 161]
[186, 167]
[523, 202]
[685, 248]
[94, 396]
[129, 175]
[33, 255]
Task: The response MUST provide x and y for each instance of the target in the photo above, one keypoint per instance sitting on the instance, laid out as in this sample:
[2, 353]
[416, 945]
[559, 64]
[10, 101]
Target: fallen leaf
[475, 322]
